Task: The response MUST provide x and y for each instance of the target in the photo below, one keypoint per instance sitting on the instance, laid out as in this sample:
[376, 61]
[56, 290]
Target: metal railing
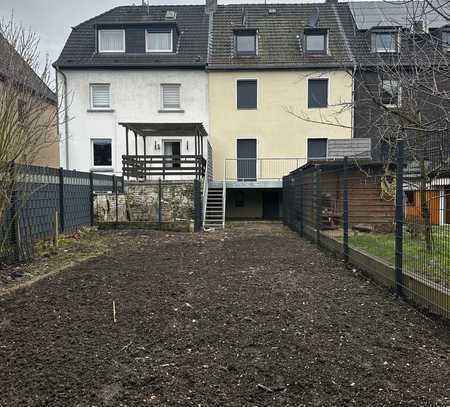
[142, 167]
[258, 169]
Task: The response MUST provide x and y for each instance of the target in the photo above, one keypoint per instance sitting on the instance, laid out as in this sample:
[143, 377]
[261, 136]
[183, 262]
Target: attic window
[316, 41]
[272, 11]
[384, 41]
[159, 39]
[111, 40]
[171, 15]
[245, 42]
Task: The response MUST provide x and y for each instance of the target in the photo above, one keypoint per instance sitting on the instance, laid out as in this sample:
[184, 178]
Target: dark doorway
[172, 149]
[246, 163]
[271, 205]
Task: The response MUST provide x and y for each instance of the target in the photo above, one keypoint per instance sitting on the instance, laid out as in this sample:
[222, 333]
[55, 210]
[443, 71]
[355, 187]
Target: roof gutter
[66, 112]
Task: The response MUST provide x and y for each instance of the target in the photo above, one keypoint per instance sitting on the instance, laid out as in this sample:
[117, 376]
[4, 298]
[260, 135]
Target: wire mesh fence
[45, 199]
[392, 224]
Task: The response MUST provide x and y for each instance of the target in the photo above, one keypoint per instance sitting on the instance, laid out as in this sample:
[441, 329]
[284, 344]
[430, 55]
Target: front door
[172, 150]
[271, 205]
[246, 160]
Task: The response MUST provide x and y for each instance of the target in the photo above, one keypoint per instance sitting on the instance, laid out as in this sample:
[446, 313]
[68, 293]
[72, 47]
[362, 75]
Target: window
[170, 96]
[247, 94]
[384, 42]
[21, 111]
[317, 148]
[100, 96]
[390, 95]
[446, 40]
[245, 42]
[316, 42]
[317, 93]
[111, 40]
[102, 152]
[159, 39]
[410, 198]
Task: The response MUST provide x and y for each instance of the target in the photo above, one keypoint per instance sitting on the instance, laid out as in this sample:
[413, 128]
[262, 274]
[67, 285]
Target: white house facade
[100, 99]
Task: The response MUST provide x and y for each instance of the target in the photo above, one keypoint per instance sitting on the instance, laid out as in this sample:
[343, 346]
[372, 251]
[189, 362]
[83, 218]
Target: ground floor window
[102, 152]
[317, 148]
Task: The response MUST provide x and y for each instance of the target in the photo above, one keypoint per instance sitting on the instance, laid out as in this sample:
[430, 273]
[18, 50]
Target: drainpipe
[66, 113]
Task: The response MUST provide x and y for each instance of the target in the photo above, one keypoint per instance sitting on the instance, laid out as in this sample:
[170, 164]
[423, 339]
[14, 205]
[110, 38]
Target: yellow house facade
[281, 123]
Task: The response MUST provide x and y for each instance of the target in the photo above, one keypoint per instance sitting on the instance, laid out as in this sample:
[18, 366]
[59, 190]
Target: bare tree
[28, 115]
[404, 93]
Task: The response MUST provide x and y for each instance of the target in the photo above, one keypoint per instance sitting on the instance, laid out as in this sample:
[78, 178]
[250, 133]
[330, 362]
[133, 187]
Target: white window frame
[104, 167]
[316, 138]
[236, 93]
[100, 50]
[399, 95]
[179, 108]
[396, 36]
[328, 78]
[147, 49]
[91, 98]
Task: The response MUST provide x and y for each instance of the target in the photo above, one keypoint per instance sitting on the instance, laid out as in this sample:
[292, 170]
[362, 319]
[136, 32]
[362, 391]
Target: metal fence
[45, 198]
[389, 222]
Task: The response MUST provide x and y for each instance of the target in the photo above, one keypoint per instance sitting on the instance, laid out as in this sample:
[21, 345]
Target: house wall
[279, 134]
[135, 97]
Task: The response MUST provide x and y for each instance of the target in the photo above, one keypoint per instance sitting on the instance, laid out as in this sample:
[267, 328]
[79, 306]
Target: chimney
[210, 6]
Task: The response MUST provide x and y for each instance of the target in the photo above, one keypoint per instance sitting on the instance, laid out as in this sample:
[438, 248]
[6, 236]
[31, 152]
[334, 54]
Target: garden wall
[167, 204]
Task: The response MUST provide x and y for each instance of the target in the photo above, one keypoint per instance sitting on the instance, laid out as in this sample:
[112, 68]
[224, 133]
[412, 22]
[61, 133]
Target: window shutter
[100, 96]
[171, 96]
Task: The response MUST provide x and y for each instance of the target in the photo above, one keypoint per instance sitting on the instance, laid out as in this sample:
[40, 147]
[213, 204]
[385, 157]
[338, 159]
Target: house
[134, 83]
[235, 95]
[34, 107]
[280, 76]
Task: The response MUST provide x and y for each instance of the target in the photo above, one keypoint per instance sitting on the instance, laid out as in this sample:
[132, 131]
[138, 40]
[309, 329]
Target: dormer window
[245, 42]
[316, 41]
[384, 41]
[159, 39]
[446, 40]
[111, 40]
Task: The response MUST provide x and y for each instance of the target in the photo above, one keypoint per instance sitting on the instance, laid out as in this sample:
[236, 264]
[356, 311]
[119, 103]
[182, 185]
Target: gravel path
[253, 316]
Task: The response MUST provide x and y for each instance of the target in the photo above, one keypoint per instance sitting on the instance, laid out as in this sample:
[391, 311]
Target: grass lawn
[434, 265]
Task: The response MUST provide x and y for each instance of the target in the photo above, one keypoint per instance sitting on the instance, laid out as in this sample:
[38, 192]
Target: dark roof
[370, 14]
[280, 35]
[191, 22]
[11, 60]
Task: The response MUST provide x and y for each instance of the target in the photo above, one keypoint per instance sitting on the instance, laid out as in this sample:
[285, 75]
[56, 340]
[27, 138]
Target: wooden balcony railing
[142, 167]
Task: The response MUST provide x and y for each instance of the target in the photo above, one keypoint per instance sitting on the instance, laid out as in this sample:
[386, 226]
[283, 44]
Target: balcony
[148, 167]
[258, 172]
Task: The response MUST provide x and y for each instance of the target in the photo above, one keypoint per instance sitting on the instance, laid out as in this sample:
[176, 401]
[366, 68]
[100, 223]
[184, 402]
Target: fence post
[318, 204]
[197, 206]
[301, 204]
[159, 203]
[61, 200]
[91, 199]
[345, 209]
[114, 180]
[399, 219]
[14, 229]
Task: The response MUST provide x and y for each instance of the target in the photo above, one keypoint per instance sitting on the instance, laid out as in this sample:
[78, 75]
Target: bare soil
[253, 316]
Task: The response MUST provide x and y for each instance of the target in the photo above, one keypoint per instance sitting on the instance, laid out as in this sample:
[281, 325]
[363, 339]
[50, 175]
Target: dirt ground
[252, 316]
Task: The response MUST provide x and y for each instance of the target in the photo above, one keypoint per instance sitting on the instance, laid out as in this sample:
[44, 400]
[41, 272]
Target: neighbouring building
[134, 83]
[30, 98]
[401, 90]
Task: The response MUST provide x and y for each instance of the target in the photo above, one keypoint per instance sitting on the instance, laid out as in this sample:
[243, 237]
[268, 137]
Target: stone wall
[140, 203]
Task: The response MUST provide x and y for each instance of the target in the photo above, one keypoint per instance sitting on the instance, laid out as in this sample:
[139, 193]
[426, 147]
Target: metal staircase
[214, 214]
